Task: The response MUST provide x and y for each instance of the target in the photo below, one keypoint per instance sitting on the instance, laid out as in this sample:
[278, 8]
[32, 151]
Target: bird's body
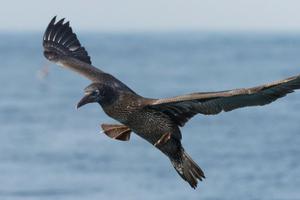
[155, 120]
[131, 110]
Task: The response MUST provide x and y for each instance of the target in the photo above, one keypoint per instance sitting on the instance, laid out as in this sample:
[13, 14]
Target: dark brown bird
[155, 120]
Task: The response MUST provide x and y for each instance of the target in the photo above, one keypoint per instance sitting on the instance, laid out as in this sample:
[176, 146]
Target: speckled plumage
[155, 120]
[131, 110]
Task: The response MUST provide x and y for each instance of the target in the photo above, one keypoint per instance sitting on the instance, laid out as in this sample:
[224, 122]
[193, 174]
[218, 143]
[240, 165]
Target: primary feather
[60, 38]
[182, 108]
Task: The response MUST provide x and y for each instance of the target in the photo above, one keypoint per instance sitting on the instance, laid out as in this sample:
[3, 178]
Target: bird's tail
[188, 169]
[59, 39]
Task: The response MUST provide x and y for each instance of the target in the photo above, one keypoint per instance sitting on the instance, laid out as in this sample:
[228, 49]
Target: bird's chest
[120, 111]
[150, 125]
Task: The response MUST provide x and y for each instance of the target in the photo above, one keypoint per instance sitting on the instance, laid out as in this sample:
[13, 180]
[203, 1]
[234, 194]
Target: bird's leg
[163, 139]
[117, 131]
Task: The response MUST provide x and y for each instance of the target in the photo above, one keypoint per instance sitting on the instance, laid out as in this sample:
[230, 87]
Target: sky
[154, 15]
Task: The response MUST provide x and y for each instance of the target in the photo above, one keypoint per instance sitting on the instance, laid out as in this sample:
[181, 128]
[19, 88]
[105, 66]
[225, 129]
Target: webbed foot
[116, 131]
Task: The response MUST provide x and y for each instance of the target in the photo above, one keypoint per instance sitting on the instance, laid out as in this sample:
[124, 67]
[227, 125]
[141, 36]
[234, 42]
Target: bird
[157, 120]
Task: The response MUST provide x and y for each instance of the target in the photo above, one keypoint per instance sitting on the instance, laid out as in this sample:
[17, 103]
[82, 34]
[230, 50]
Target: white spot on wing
[73, 48]
[60, 64]
[116, 84]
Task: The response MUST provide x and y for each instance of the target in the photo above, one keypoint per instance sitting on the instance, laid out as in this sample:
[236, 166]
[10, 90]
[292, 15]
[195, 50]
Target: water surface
[50, 150]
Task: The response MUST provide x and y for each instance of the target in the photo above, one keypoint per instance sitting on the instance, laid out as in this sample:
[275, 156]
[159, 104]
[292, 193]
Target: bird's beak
[85, 100]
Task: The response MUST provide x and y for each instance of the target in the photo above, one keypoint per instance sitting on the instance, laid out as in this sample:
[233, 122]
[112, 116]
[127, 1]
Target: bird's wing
[181, 108]
[62, 47]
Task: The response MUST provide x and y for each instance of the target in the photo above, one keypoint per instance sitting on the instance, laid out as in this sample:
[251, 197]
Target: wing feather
[62, 46]
[182, 108]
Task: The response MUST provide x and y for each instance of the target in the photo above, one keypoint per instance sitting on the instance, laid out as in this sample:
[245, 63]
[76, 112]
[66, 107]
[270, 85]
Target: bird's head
[97, 92]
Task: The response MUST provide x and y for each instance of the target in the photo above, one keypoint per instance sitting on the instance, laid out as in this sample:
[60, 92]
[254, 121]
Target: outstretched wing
[181, 108]
[62, 47]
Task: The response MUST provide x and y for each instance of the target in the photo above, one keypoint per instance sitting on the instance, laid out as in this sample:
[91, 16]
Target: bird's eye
[95, 93]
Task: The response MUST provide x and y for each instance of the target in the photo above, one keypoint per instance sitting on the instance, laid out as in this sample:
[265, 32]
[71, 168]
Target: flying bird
[156, 120]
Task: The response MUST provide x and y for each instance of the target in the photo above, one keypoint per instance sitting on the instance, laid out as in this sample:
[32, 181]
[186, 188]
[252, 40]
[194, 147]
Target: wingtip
[61, 21]
[59, 35]
[53, 20]
[67, 23]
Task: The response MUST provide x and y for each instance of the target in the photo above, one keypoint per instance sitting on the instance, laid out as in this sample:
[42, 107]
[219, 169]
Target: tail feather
[60, 39]
[188, 169]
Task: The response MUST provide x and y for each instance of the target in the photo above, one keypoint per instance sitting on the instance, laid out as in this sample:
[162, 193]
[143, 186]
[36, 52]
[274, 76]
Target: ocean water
[50, 150]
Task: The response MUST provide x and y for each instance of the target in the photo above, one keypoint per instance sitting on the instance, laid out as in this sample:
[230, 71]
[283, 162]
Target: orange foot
[116, 131]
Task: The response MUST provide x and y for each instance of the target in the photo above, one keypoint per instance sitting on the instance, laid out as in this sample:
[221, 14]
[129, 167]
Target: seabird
[156, 120]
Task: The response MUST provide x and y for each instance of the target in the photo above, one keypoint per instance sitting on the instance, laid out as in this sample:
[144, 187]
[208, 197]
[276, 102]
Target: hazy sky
[152, 15]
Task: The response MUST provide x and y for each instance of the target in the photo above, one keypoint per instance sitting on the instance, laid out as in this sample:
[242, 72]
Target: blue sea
[49, 150]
